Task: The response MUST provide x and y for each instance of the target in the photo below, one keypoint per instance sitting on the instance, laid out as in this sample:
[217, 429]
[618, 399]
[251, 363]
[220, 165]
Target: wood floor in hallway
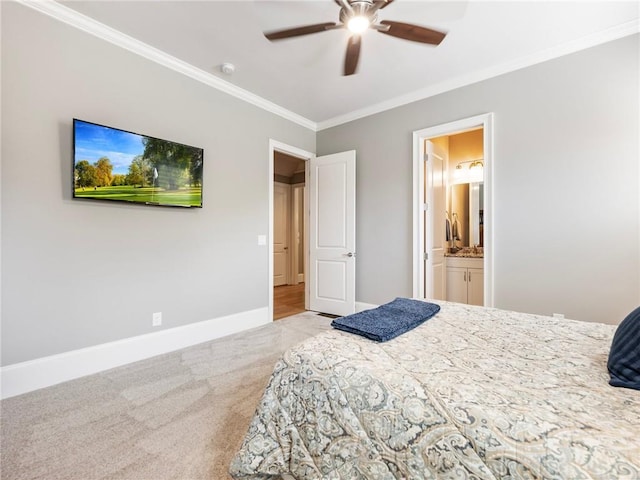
[288, 300]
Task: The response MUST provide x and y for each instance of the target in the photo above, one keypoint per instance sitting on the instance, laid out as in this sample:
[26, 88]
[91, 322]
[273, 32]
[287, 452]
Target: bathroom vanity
[465, 279]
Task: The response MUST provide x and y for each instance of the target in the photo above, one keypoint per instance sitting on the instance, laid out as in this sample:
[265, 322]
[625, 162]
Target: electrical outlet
[558, 315]
[157, 319]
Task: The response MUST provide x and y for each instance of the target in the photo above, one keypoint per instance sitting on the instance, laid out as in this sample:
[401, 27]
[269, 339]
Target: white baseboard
[43, 372]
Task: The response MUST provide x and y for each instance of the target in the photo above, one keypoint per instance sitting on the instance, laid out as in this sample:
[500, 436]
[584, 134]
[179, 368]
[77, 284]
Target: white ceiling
[304, 74]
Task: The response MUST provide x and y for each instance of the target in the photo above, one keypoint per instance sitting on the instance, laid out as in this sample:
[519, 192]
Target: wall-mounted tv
[116, 165]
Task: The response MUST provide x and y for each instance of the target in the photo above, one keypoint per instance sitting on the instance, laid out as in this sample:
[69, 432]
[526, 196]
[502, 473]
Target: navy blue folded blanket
[389, 320]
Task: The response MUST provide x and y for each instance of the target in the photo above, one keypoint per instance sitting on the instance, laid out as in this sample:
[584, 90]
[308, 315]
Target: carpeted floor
[176, 416]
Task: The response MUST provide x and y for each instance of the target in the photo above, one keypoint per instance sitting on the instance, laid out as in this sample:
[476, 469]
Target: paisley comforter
[473, 393]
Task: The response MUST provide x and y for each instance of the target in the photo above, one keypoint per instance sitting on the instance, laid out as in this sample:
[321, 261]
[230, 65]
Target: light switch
[262, 239]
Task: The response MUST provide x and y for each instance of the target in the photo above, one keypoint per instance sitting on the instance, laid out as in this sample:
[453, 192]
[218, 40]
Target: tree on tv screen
[162, 164]
[175, 165]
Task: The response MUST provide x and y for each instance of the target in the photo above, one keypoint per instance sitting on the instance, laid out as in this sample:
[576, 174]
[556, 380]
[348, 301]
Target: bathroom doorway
[442, 157]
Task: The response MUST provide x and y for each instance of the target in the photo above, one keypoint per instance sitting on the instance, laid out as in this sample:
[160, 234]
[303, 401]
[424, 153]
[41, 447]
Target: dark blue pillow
[624, 356]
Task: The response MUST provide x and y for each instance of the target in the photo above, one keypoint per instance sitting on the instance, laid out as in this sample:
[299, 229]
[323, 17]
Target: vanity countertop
[467, 252]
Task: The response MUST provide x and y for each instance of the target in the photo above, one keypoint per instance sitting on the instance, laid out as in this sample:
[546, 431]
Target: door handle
[350, 254]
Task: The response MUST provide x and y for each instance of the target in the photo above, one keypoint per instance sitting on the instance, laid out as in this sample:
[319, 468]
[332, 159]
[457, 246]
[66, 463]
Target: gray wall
[78, 273]
[566, 184]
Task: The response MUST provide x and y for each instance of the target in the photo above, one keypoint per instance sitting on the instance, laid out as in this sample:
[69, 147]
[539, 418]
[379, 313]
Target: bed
[472, 393]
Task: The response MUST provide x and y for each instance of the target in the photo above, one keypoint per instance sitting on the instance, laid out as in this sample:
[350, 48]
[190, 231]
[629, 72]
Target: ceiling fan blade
[297, 31]
[352, 56]
[414, 33]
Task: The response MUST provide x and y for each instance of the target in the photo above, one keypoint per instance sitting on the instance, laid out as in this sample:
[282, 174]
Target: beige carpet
[177, 416]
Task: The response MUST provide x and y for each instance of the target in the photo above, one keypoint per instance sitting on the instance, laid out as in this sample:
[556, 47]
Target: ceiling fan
[358, 16]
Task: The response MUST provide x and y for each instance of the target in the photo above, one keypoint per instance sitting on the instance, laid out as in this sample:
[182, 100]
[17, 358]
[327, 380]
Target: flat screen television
[116, 165]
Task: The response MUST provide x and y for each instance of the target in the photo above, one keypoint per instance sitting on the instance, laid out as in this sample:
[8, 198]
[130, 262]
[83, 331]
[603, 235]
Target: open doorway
[288, 230]
[445, 267]
[288, 235]
[329, 229]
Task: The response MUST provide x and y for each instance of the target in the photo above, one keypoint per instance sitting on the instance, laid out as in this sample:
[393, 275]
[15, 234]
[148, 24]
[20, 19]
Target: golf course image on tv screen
[114, 164]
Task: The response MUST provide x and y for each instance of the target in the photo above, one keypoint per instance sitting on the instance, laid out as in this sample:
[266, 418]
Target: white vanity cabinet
[465, 280]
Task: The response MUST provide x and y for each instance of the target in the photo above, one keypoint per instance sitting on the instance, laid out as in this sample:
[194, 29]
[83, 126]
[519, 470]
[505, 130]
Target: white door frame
[274, 146]
[419, 136]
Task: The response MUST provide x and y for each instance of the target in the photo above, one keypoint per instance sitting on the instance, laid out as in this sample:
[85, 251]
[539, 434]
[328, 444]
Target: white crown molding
[93, 27]
[604, 36]
[44, 372]
[111, 35]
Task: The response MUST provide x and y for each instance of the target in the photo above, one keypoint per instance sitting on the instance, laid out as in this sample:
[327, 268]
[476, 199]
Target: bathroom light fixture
[473, 164]
[473, 172]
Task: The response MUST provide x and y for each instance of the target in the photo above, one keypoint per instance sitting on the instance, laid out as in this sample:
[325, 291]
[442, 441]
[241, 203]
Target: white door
[332, 233]
[434, 222]
[280, 234]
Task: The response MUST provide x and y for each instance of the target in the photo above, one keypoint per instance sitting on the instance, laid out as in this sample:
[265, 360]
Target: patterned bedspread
[473, 393]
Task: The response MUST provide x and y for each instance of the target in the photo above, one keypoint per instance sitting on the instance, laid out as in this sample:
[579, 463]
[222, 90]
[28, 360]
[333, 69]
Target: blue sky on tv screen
[95, 141]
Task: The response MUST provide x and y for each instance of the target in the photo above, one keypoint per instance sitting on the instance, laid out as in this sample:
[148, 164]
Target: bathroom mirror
[465, 212]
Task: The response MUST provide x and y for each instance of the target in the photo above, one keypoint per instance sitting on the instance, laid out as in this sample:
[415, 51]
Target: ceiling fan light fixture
[358, 24]
[357, 16]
